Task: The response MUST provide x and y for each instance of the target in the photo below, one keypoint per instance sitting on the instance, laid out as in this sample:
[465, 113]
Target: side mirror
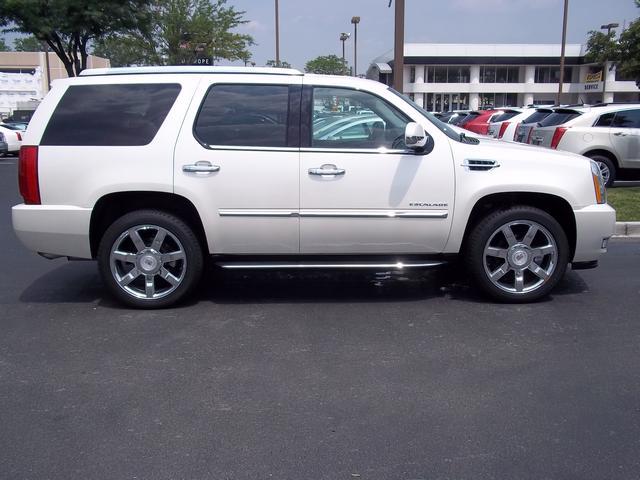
[414, 136]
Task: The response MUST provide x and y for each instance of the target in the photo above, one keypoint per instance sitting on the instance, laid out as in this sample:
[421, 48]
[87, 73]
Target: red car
[478, 121]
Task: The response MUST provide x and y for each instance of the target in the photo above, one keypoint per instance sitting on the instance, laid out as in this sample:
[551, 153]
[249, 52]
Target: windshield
[443, 127]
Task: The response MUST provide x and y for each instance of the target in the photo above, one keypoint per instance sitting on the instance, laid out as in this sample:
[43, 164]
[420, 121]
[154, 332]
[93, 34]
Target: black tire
[606, 164]
[522, 257]
[168, 267]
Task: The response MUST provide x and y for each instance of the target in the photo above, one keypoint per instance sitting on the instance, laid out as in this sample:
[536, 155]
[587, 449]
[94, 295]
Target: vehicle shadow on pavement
[79, 282]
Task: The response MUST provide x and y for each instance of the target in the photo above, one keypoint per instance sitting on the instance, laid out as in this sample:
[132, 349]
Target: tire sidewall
[483, 231]
[610, 165]
[186, 236]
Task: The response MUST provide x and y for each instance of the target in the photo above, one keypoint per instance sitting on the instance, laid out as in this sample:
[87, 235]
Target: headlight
[598, 183]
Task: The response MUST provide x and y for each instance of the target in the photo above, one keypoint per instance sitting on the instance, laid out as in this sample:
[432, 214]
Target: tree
[178, 27]
[27, 44]
[283, 64]
[328, 65]
[625, 52]
[69, 26]
[3, 46]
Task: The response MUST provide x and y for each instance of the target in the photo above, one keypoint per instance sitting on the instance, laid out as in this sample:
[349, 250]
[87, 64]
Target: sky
[309, 28]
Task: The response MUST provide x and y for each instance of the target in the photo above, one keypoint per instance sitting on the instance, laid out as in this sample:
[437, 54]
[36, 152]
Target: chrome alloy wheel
[520, 256]
[604, 170]
[148, 262]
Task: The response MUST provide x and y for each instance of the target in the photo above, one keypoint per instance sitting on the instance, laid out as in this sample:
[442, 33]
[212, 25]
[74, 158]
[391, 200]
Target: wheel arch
[113, 205]
[554, 205]
[605, 153]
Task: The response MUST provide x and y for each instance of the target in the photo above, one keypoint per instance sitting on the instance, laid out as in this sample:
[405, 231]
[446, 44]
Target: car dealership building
[444, 77]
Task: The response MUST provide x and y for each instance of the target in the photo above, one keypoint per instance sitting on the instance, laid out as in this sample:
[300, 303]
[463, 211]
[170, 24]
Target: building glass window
[439, 74]
[552, 74]
[412, 75]
[458, 74]
[487, 74]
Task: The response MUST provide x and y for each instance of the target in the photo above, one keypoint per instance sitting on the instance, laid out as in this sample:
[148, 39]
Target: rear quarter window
[110, 115]
[558, 118]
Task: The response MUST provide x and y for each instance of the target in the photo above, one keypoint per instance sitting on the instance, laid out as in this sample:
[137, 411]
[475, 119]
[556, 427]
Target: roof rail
[189, 69]
[606, 104]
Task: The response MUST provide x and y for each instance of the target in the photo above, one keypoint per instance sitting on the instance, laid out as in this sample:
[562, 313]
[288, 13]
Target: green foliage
[27, 44]
[178, 27]
[327, 64]
[3, 46]
[602, 47]
[626, 201]
[69, 26]
[283, 64]
[629, 63]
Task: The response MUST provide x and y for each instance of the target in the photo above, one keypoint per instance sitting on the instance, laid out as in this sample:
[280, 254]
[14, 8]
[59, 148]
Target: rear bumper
[595, 224]
[3, 147]
[53, 229]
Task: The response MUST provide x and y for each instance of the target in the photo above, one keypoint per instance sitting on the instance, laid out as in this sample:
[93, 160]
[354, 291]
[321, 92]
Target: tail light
[515, 132]
[28, 175]
[557, 136]
[503, 127]
[529, 136]
[19, 136]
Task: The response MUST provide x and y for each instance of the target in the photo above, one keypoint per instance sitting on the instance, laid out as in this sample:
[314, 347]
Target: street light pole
[398, 55]
[343, 38]
[355, 21]
[608, 27]
[277, 36]
[564, 42]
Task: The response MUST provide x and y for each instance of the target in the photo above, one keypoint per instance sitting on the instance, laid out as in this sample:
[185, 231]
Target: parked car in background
[478, 121]
[501, 121]
[3, 145]
[542, 133]
[13, 137]
[608, 134]
[522, 129]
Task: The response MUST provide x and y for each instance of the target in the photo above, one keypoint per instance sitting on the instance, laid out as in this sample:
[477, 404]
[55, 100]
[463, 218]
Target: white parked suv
[609, 134]
[151, 170]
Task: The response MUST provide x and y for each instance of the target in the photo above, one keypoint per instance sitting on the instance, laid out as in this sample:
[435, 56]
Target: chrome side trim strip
[245, 212]
[316, 213]
[375, 213]
[252, 149]
[351, 265]
[377, 151]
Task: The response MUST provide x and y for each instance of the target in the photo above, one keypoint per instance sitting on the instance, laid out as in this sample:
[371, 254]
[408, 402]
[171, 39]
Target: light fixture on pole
[343, 38]
[355, 21]
[608, 27]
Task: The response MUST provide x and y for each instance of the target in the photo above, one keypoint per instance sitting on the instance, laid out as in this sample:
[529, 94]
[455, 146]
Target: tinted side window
[627, 119]
[362, 120]
[605, 120]
[244, 116]
[110, 115]
[558, 118]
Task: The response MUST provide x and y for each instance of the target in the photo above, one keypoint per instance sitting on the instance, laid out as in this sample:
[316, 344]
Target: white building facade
[442, 77]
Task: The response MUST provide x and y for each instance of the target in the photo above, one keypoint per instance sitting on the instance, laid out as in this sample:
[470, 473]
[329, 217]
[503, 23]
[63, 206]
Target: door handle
[327, 169]
[200, 167]
[620, 134]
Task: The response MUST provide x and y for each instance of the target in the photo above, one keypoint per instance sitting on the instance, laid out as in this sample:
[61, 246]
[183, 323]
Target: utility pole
[46, 61]
[277, 36]
[355, 21]
[398, 49]
[564, 42]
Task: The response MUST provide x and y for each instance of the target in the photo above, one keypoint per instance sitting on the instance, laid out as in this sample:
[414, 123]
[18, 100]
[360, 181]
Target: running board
[329, 264]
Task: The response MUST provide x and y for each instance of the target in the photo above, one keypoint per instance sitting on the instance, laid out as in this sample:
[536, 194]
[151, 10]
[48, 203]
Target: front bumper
[594, 225]
[53, 229]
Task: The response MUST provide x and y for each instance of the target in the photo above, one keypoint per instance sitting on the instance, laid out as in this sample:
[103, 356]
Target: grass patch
[626, 201]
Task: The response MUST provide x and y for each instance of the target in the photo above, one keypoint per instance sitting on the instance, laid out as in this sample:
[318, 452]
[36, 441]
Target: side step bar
[329, 264]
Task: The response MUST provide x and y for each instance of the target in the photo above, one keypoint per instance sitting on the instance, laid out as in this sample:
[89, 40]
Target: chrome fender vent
[478, 165]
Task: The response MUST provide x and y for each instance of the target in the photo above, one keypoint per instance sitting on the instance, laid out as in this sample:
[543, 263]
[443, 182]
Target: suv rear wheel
[518, 254]
[150, 259]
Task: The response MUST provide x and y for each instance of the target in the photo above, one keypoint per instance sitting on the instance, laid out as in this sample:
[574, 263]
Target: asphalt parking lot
[316, 376]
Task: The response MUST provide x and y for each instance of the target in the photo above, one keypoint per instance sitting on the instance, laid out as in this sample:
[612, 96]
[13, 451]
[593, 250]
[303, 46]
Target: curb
[627, 229]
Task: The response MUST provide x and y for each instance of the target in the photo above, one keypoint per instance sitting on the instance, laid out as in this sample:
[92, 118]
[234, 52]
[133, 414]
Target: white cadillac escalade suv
[150, 170]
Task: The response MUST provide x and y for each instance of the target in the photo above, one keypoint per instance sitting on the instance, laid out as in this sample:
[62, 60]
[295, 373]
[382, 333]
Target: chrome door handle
[620, 134]
[327, 169]
[200, 167]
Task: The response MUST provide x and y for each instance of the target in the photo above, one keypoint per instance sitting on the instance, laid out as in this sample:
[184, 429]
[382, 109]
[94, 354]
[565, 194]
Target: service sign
[593, 82]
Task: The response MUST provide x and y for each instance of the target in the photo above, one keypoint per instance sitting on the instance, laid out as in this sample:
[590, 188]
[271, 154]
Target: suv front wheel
[518, 254]
[150, 259]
